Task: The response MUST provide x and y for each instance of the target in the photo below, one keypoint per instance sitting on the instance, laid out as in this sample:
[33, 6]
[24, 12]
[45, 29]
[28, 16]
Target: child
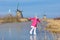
[34, 20]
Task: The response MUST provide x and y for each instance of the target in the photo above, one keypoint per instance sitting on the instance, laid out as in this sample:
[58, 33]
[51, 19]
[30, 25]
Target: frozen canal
[20, 31]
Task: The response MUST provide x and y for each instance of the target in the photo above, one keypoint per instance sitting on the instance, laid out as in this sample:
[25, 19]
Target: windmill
[19, 12]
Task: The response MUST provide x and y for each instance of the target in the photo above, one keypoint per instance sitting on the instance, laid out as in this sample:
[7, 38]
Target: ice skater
[35, 21]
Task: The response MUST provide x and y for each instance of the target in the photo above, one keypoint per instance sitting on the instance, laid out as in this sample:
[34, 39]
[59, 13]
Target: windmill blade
[18, 5]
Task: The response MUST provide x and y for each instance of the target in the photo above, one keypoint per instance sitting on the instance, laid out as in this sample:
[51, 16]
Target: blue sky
[31, 7]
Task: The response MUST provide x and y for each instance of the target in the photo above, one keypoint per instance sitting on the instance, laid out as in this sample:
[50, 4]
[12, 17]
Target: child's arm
[39, 20]
[30, 18]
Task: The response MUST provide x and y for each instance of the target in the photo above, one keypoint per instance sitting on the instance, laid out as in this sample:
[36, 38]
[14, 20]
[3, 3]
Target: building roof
[19, 10]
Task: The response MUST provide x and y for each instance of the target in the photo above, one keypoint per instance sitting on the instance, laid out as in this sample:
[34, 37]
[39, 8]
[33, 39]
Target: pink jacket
[34, 21]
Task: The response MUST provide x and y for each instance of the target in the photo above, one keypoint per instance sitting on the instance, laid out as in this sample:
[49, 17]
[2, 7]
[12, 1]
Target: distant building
[44, 16]
[58, 18]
